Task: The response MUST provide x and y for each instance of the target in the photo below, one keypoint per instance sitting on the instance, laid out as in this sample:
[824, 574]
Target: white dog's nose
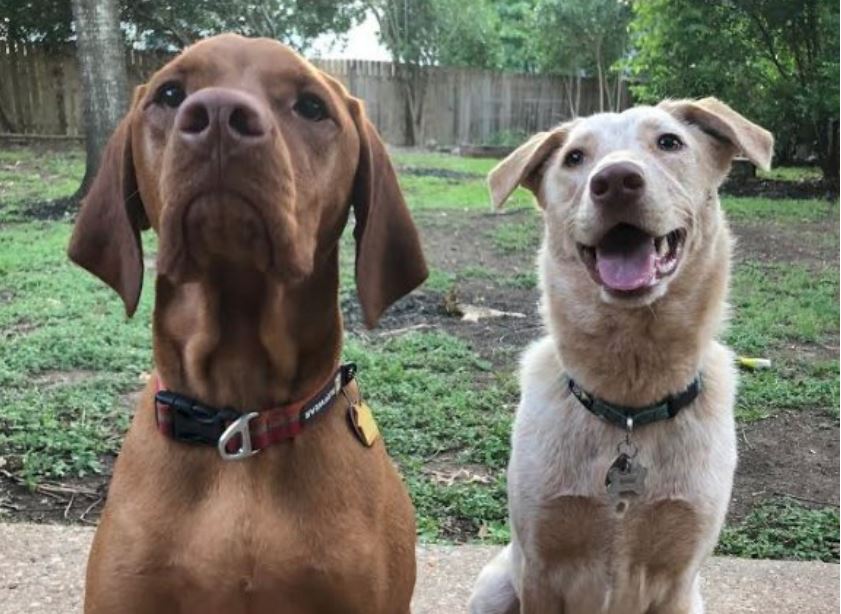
[620, 183]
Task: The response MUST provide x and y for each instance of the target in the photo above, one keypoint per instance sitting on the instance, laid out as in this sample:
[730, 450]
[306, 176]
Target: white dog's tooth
[662, 246]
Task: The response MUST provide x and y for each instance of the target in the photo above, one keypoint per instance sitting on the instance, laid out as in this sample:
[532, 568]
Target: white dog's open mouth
[630, 260]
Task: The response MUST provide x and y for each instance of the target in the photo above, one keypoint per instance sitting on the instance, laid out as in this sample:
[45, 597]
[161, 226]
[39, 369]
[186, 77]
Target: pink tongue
[629, 269]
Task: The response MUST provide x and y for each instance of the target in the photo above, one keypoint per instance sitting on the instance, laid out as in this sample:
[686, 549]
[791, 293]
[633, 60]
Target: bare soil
[793, 454]
[772, 188]
[813, 244]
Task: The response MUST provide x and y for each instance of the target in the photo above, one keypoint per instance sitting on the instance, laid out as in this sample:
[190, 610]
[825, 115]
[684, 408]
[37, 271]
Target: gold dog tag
[364, 425]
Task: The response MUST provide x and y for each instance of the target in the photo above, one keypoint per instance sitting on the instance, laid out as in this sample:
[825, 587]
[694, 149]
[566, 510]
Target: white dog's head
[630, 197]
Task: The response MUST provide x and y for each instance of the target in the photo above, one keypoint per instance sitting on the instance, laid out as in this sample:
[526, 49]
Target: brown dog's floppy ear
[389, 259]
[524, 166]
[106, 237]
[727, 127]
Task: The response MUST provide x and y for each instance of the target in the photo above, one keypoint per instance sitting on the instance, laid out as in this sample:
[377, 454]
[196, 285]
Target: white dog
[624, 443]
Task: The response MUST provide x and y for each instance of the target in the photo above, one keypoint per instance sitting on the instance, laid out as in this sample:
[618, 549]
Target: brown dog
[245, 160]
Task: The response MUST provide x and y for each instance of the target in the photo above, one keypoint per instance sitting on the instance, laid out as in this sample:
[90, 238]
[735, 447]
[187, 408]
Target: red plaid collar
[242, 434]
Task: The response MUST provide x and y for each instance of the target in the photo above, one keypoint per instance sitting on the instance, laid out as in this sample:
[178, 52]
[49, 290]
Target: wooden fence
[40, 93]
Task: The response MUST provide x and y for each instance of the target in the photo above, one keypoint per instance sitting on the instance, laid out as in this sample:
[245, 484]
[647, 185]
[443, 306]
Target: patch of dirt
[771, 188]
[454, 241]
[450, 243]
[440, 173]
[51, 379]
[812, 244]
[446, 470]
[804, 353]
[20, 327]
[75, 501]
[792, 454]
[150, 263]
[58, 209]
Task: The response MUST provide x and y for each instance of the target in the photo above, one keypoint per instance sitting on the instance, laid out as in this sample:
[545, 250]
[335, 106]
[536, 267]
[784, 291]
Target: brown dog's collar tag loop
[242, 427]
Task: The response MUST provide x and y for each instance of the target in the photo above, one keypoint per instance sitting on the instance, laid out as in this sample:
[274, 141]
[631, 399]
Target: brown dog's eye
[574, 158]
[311, 107]
[170, 94]
[669, 142]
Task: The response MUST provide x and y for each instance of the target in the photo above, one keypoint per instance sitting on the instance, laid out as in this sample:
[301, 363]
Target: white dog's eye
[574, 158]
[669, 142]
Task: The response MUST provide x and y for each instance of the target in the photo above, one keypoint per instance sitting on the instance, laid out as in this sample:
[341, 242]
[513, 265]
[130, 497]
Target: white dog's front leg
[537, 596]
[494, 591]
[686, 602]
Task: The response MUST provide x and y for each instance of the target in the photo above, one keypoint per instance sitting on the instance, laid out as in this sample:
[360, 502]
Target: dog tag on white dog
[625, 477]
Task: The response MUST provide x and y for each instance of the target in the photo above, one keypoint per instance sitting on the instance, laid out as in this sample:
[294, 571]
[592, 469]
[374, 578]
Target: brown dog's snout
[620, 182]
[231, 116]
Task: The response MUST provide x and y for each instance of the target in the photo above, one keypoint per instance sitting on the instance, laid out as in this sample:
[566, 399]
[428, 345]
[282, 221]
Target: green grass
[755, 209]
[439, 281]
[477, 272]
[518, 236]
[784, 529]
[791, 173]
[430, 403]
[30, 175]
[790, 384]
[776, 307]
[776, 304]
[469, 192]
[59, 319]
[462, 194]
[524, 281]
[422, 159]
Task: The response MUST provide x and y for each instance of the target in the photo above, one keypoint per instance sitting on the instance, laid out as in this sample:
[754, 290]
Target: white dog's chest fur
[597, 557]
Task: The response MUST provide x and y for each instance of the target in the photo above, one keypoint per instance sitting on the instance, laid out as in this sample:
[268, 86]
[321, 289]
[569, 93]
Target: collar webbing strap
[625, 417]
[238, 435]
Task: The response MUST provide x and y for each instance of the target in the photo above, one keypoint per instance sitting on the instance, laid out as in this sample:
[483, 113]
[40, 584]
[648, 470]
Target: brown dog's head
[630, 198]
[240, 152]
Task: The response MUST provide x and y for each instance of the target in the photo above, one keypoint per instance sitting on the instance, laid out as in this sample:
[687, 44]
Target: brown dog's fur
[247, 316]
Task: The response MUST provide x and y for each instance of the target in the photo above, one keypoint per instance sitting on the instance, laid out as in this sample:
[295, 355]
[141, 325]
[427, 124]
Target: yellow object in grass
[754, 363]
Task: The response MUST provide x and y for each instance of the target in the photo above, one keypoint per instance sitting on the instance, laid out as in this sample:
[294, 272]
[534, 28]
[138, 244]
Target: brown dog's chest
[215, 563]
[293, 529]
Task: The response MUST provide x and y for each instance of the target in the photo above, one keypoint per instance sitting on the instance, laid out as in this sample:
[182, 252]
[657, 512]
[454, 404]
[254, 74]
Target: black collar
[628, 417]
[239, 435]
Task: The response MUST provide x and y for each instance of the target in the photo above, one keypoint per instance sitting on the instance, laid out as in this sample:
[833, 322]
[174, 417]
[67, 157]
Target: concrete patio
[42, 570]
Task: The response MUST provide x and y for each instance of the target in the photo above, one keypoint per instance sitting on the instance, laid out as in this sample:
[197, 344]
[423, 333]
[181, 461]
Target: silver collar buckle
[242, 427]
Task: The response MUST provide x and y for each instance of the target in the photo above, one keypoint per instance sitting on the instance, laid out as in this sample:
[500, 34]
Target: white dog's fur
[573, 550]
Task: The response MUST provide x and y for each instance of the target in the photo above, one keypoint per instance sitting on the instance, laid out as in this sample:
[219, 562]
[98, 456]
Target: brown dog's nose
[234, 116]
[620, 182]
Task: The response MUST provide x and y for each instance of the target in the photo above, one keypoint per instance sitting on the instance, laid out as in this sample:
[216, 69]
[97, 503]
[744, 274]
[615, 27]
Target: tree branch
[180, 38]
[768, 40]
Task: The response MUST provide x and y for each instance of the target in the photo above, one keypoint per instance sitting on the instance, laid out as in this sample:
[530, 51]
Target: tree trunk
[409, 97]
[102, 65]
[414, 90]
[6, 123]
[618, 98]
[828, 152]
[569, 84]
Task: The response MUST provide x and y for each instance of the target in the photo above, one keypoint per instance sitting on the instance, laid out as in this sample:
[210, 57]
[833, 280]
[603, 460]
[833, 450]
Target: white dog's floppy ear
[524, 166]
[726, 126]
